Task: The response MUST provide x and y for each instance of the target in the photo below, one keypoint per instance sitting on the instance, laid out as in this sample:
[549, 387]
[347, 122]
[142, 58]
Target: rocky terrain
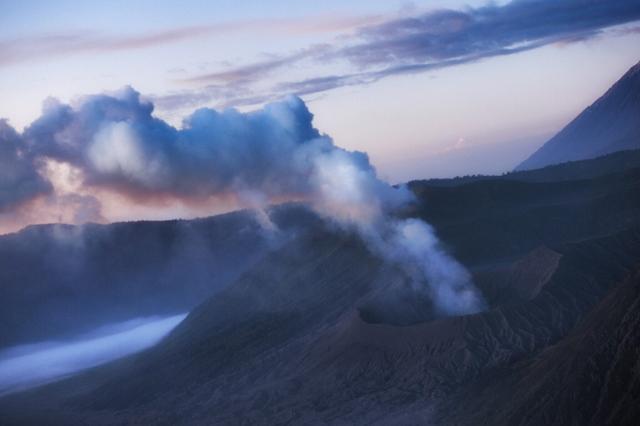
[319, 330]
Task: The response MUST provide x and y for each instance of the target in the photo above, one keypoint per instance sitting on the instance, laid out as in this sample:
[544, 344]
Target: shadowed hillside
[60, 280]
[591, 377]
[322, 331]
[288, 344]
[617, 162]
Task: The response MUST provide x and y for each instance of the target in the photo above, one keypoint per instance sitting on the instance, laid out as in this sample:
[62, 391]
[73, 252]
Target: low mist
[27, 366]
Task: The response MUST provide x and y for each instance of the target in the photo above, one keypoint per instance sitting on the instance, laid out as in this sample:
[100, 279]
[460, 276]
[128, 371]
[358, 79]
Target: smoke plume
[113, 141]
[19, 179]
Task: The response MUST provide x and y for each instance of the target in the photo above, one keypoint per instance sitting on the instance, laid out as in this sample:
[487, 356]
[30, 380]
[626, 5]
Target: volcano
[610, 124]
[320, 330]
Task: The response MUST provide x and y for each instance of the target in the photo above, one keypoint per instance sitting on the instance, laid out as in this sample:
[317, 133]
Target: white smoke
[272, 154]
[356, 198]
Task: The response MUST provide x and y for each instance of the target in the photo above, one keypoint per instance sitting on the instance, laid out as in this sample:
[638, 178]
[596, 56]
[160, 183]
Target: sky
[425, 88]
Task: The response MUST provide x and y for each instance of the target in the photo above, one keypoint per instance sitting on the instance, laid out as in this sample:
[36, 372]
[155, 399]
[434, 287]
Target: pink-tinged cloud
[48, 46]
[113, 142]
[428, 41]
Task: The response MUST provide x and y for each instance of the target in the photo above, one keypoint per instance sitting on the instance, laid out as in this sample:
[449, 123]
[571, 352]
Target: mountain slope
[488, 221]
[287, 343]
[320, 331]
[591, 377]
[612, 123]
[61, 280]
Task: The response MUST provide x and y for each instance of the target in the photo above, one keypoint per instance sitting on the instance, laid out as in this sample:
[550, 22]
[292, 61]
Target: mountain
[619, 161]
[591, 377]
[62, 280]
[492, 221]
[76, 278]
[612, 123]
[290, 345]
[320, 331]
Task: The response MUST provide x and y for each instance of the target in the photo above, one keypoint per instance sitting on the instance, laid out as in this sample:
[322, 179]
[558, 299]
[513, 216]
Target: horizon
[378, 212]
[454, 108]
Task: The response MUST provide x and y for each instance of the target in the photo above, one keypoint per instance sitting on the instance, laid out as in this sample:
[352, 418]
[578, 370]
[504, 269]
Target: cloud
[223, 94]
[52, 45]
[20, 180]
[448, 34]
[257, 70]
[116, 141]
[439, 39]
[113, 141]
[55, 45]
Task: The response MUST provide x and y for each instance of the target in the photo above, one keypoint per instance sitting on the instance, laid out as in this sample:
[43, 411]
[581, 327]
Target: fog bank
[27, 366]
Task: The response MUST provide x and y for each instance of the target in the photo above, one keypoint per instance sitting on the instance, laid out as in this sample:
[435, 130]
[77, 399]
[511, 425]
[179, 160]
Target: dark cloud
[240, 95]
[447, 34]
[439, 39]
[19, 178]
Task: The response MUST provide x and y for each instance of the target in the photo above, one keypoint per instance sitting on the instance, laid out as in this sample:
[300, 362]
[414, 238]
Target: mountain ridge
[304, 334]
[611, 123]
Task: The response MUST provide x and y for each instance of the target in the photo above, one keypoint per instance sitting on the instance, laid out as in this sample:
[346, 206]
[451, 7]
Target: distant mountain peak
[634, 70]
[610, 124]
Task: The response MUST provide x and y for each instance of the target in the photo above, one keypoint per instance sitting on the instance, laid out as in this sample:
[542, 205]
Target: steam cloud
[19, 179]
[114, 141]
